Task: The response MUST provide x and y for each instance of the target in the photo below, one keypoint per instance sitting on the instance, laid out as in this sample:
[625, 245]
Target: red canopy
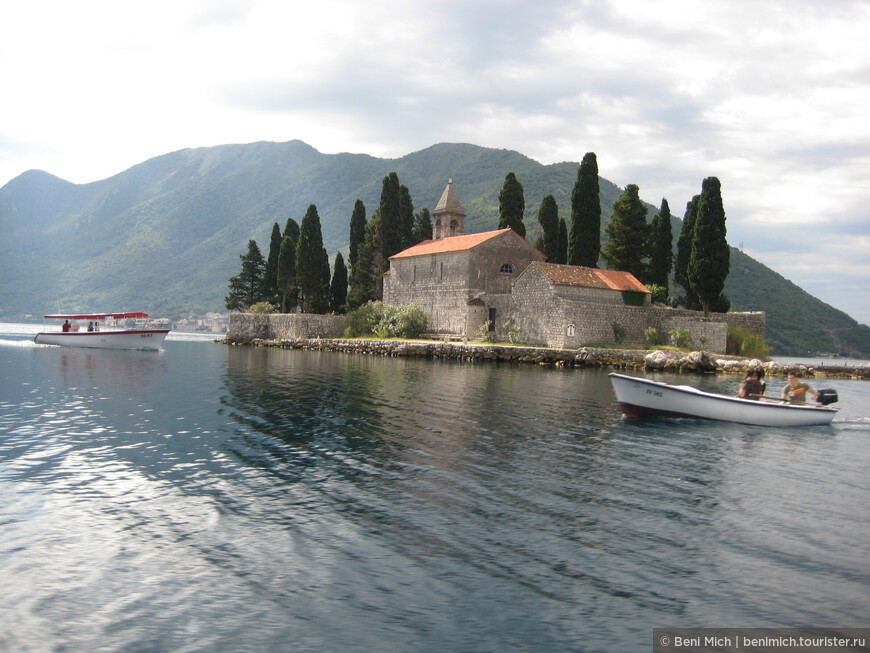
[95, 316]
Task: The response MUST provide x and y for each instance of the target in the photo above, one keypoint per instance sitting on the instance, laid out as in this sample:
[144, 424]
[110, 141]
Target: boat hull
[644, 398]
[129, 339]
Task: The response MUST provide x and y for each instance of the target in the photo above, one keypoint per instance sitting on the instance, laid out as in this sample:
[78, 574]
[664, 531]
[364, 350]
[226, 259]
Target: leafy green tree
[338, 289]
[548, 218]
[709, 262]
[287, 291]
[407, 217]
[584, 240]
[309, 263]
[270, 278]
[422, 226]
[357, 230]
[512, 205]
[391, 217]
[624, 249]
[362, 281]
[660, 248]
[247, 286]
[684, 253]
[562, 251]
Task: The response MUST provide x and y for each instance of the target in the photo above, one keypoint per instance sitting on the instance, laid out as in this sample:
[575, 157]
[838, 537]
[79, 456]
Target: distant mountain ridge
[166, 234]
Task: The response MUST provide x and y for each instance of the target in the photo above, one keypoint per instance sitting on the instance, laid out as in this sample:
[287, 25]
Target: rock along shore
[585, 357]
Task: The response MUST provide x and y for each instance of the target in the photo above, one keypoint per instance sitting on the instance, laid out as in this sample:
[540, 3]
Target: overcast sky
[772, 97]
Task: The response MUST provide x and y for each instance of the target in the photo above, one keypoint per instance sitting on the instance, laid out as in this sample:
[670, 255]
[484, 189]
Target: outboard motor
[826, 396]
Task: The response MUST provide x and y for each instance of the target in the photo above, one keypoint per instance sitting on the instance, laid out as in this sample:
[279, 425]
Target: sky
[773, 98]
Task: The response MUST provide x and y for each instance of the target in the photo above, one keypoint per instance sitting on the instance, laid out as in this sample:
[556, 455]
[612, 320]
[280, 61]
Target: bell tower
[449, 216]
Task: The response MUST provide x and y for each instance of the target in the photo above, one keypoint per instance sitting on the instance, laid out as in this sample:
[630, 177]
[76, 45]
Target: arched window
[506, 268]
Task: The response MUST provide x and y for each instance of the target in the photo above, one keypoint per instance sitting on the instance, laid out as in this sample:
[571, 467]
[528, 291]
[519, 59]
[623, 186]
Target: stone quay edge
[699, 362]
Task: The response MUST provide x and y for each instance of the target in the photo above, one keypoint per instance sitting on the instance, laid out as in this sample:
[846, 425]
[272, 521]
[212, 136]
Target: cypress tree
[287, 291]
[323, 296]
[684, 252]
[661, 247]
[584, 241]
[548, 218]
[309, 265]
[422, 226]
[512, 205]
[562, 252]
[338, 289]
[709, 262]
[270, 278]
[391, 217]
[626, 233]
[292, 229]
[246, 287]
[407, 216]
[357, 230]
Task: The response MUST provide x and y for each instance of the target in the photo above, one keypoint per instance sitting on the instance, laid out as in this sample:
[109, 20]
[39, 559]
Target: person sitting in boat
[96, 326]
[65, 326]
[751, 388]
[90, 326]
[796, 391]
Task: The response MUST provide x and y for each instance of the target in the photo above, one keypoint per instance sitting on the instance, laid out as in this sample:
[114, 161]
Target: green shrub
[385, 321]
[633, 297]
[513, 331]
[743, 342]
[659, 293]
[680, 338]
[619, 332]
[653, 337]
[263, 308]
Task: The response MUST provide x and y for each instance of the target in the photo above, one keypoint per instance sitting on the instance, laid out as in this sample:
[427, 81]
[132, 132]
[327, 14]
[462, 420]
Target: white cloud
[770, 97]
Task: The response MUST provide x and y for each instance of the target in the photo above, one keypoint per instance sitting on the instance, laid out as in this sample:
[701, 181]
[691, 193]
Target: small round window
[506, 268]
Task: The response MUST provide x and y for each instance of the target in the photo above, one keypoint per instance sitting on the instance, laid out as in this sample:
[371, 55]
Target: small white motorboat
[101, 332]
[640, 397]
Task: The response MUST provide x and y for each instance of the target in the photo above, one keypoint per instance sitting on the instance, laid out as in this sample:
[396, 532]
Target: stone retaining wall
[246, 327]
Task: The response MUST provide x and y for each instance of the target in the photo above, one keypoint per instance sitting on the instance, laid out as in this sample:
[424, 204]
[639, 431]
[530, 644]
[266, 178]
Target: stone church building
[497, 278]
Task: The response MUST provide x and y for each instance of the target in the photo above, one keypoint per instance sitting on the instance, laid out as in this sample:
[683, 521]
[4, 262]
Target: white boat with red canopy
[101, 331]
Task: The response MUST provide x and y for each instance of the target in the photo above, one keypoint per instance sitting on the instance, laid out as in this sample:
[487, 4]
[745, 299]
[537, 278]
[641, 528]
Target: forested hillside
[165, 235]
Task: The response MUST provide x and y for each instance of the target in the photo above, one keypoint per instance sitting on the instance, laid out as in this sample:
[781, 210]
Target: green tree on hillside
[287, 291]
[660, 247]
[270, 279]
[627, 234]
[548, 218]
[512, 205]
[338, 288]
[709, 261]
[422, 226]
[246, 287]
[684, 253]
[357, 230]
[309, 263]
[584, 240]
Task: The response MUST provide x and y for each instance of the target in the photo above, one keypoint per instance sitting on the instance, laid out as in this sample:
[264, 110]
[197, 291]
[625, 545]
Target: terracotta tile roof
[574, 275]
[452, 244]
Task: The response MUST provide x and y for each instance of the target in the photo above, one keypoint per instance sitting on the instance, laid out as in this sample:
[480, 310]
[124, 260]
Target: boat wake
[26, 344]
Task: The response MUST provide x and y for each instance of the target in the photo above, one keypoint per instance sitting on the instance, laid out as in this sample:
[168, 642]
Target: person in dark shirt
[751, 387]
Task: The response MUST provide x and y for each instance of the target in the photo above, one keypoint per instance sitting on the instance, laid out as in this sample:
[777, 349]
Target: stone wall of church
[439, 283]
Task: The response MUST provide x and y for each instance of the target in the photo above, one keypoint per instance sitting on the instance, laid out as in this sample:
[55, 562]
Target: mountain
[166, 235]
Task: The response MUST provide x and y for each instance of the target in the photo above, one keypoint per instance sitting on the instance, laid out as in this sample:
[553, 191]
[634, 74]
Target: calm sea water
[213, 498]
